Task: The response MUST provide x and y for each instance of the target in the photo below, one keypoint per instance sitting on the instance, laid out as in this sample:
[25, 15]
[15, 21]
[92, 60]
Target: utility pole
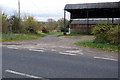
[19, 14]
[19, 8]
[11, 31]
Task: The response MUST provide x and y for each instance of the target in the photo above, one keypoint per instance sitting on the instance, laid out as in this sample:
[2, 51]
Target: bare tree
[51, 25]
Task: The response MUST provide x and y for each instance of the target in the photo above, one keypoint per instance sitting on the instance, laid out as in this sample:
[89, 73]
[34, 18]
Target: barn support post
[64, 18]
[112, 18]
[70, 25]
[87, 22]
[112, 21]
[64, 21]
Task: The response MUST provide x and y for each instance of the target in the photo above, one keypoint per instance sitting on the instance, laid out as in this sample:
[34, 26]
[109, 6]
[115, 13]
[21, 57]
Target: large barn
[81, 26]
[90, 14]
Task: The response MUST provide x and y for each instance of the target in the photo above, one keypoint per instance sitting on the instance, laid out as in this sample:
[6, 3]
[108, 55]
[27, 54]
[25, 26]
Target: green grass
[19, 37]
[43, 34]
[23, 37]
[51, 33]
[73, 34]
[106, 47]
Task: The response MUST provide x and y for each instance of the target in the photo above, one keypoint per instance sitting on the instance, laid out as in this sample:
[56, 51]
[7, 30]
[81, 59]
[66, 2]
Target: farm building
[81, 26]
[86, 15]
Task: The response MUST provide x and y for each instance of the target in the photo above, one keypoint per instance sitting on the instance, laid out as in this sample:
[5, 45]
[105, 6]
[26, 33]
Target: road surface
[53, 57]
[16, 63]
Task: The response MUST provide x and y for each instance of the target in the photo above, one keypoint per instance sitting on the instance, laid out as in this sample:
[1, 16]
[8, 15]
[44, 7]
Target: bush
[64, 29]
[5, 23]
[44, 30]
[107, 34]
[31, 25]
[114, 35]
[101, 33]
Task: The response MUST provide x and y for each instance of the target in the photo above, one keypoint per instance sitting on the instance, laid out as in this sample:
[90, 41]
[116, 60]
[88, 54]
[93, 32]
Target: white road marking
[12, 47]
[106, 58]
[0, 45]
[71, 54]
[15, 48]
[81, 53]
[66, 53]
[75, 51]
[41, 48]
[53, 50]
[21, 74]
[37, 47]
[65, 47]
[36, 50]
[28, 47]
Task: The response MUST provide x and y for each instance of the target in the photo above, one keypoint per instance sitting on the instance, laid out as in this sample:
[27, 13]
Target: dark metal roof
[94, 10]
[93, 5]
[95, 22]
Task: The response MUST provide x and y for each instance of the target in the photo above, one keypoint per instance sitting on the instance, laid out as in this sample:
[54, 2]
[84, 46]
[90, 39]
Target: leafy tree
[61, 22]
[5, 23]
[23, 27]
[15, 23]
[31, 25]
[0, 22]
[61, 26]
[51, 24]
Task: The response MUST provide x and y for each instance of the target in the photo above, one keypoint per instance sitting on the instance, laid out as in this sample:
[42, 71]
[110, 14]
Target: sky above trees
[42, 10]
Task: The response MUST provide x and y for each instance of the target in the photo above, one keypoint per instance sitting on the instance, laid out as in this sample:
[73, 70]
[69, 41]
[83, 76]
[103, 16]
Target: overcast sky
[42, 9]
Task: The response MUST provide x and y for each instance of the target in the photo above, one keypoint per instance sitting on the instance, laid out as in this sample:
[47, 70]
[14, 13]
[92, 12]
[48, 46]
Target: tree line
[29, 24]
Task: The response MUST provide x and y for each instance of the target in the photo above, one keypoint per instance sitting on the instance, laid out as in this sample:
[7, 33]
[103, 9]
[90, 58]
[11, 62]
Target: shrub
[5, 23]
[114, 35]
[101, 33]
[64, 29]
[44, 30]
[30, 25]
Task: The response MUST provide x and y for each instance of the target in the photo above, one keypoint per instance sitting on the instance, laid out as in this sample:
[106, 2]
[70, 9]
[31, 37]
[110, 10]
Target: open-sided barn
[88, 11]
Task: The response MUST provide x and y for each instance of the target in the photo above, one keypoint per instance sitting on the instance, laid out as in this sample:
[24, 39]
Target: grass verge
[19, 37]
[51, 33]
[23, 37]
[106, 47]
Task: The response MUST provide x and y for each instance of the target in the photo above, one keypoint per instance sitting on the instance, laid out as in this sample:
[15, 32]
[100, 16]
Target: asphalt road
[21, 63]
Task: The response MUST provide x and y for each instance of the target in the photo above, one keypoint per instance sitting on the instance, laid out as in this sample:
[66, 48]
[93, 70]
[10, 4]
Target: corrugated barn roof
[93, 5]
[94, 10]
